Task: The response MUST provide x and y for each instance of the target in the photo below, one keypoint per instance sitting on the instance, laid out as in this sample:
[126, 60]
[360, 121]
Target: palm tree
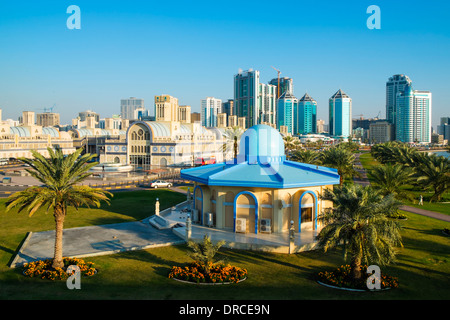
[390, 178]
[306, 156]
[231, 135]
[289, 143]
[205, 252]
[341, 159]
[434, 172]
[359, 220]
[60, 176]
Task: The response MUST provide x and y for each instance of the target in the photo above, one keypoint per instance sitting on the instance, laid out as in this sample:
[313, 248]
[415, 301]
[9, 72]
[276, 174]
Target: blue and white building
[260, 191]
[413, 116]
[210, 108]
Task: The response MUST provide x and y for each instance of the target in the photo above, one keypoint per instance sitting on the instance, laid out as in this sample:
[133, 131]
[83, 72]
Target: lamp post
[188, 227]
[157, 207]
[291, 237]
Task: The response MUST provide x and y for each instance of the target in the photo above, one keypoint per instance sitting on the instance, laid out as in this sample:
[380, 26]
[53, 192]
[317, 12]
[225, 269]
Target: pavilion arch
[307, 210]
[246, 206]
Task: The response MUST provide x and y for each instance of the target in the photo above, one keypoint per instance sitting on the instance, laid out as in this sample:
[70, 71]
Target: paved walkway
[365, 181]
[95, 240]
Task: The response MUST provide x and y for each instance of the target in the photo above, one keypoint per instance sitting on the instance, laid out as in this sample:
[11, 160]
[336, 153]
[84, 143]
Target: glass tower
[306, 121]
[394, 85]
[413, 116]
[286, 110]
[254, 101]
[210, 108]
[340, 113]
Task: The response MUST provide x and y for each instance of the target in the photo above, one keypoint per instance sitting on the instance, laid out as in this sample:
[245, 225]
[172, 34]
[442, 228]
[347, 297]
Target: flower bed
[219, 273]
[44, 270]
[341, 278]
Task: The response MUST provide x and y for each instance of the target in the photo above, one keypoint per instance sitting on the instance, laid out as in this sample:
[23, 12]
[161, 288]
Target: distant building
[184, 114]
[232, 121]
[228, 107]
[195, 117]
[306, 120]
[88, 113]
[18, 141]
[166, 108]
[253, 100]
[286, 110]
[444, 128]
[413, 116]
[47, 119]
[286, 85]
[209, 109]
[129, 106]
[437, 138]
[154, 144]
[340, 115]
[394, 85]
[381, 131]
[321, 127]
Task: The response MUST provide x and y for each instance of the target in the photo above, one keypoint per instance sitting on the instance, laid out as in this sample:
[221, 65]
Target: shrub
[44, 270]
[341, 277]
[218, 273]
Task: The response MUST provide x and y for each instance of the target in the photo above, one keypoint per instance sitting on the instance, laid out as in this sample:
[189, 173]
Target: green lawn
[369, 162]
[423, 265]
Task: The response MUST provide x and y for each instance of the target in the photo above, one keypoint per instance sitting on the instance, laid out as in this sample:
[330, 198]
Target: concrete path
[94, 241]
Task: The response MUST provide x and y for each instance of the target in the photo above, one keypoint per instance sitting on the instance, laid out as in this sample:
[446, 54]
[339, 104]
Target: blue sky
[192, 49]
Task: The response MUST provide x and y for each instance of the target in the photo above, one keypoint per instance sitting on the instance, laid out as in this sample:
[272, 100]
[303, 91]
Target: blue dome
[261, 143]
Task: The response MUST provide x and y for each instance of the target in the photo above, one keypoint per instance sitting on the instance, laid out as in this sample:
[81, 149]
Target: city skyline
[123, 51]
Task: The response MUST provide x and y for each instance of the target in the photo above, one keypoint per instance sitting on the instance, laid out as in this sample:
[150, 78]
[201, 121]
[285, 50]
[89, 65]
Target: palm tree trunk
[355, 267]
[59, 221]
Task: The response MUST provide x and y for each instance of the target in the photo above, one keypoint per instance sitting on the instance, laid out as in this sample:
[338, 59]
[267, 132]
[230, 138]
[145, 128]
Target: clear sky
[192, 49]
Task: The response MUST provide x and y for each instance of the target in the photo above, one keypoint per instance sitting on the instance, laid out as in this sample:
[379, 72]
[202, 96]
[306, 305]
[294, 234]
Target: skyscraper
[210, 108]
[286, 84]
[306, 115]
[254, 101]
[128, 107]
[340, 113]
[228, 107]
[394, 85]
[286, 109]
[444, 127]
[413, 116]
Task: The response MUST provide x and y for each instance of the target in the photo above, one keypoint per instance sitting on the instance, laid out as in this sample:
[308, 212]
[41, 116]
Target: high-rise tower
[340, 112]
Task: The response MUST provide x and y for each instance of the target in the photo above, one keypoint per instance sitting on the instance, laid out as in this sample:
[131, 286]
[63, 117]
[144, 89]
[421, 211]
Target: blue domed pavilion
[260, 190]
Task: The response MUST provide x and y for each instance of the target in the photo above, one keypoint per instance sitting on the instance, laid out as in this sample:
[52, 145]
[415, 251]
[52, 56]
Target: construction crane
[48, 109]
[278, 87]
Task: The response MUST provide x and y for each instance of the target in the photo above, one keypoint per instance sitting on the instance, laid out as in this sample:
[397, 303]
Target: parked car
[160, 184]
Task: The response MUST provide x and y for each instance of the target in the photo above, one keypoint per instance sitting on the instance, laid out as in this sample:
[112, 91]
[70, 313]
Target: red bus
[203, 161]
